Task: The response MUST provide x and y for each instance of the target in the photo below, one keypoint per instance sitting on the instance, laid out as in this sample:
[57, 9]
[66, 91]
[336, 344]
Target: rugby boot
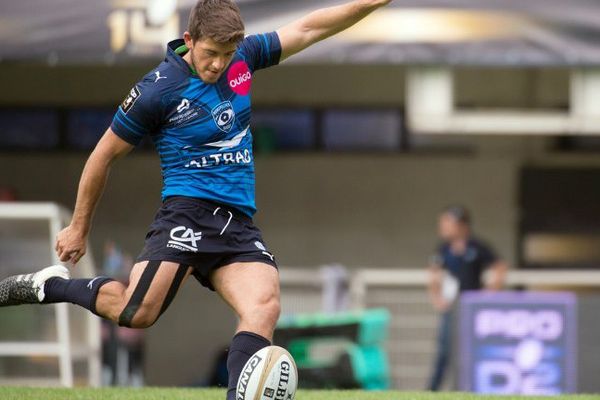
[29, 288]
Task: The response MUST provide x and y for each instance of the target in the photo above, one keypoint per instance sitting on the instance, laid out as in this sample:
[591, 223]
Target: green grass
[14, 393]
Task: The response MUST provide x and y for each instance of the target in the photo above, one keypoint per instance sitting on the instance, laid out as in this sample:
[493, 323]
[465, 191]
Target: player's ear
[187, 38]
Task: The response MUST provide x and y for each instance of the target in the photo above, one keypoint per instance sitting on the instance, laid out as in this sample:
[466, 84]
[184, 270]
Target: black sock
[243, 346]
[82, 292]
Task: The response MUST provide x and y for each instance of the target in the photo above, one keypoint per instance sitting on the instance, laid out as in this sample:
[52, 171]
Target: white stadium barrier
[27, 237]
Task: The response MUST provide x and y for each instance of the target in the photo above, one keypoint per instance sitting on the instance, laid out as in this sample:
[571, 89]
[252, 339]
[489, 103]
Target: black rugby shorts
[203, 235]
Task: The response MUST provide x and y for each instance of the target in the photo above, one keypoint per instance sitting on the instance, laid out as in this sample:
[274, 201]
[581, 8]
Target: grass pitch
[15, 393]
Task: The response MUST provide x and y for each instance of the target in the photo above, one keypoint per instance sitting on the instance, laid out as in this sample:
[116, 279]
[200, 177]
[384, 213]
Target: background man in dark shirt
[458, 265]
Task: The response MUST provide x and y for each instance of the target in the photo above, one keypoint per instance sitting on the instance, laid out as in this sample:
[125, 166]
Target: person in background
[458, 265]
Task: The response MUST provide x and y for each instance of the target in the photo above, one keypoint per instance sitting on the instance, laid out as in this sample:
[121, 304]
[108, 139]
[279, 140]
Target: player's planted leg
[252, 290]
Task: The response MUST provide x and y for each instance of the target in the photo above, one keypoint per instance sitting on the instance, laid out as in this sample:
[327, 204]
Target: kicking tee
[201, 131]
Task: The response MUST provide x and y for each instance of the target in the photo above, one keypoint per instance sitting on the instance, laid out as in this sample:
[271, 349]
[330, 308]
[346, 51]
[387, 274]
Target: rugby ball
[270, 374]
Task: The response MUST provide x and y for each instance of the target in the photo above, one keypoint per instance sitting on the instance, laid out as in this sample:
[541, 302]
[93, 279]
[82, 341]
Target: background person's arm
[496, 277]
[323, 23]
[71, 241]
[434, 288]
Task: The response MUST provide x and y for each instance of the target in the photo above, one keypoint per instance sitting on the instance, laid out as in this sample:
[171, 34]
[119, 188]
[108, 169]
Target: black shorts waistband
[212, 206]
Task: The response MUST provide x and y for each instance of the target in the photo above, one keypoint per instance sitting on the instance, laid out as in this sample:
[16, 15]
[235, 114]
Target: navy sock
[243, 346]
[82, 292]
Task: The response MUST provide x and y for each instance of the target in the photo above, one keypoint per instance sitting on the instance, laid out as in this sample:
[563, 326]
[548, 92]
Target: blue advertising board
[518, 343]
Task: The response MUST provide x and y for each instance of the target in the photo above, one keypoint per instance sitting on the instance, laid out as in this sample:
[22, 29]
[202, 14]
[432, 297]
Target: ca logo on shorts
[224, 116]
[184, 239]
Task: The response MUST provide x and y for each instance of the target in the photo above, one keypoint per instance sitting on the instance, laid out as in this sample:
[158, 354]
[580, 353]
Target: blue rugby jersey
[201, 131]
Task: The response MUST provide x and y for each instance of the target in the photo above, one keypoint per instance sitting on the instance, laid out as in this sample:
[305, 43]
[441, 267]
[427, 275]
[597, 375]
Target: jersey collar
[177, 59]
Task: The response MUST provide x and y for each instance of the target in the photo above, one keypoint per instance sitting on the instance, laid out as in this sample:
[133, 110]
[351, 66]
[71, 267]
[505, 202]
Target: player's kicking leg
[252, 290]
[152, 287]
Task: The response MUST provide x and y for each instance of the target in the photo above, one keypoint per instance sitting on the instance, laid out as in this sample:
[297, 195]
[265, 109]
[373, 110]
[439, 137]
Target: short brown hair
[219, 20]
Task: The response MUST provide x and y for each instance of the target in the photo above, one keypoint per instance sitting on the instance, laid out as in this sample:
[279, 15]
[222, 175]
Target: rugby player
[195, 106]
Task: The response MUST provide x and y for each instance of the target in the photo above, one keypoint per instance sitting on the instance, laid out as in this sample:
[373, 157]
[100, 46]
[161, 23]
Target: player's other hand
[70, 244]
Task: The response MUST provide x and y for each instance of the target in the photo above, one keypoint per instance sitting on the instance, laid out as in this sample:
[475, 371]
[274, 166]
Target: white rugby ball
[270, 374]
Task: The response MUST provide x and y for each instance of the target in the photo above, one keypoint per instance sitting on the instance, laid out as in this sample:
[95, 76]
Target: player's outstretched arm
[71, 241]
[323, 23]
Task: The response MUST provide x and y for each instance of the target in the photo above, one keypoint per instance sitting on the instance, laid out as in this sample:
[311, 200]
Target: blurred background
[360, 143]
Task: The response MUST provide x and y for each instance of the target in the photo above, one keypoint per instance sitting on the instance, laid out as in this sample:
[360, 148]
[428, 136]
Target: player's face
[209, 58]
[450, 229]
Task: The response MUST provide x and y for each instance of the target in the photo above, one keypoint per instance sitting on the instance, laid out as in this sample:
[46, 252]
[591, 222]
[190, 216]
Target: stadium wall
[291, 84]
[359, 210]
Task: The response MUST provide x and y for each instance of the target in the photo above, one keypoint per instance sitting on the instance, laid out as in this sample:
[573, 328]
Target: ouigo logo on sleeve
[240, 78]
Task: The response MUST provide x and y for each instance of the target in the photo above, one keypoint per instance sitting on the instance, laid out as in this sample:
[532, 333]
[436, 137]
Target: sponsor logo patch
[239, 78]
[224, 116]
[183, 110]
[130, 100]
[230, 143]
[238, 157]
[184, 239]
[184, 105]
[269, 392]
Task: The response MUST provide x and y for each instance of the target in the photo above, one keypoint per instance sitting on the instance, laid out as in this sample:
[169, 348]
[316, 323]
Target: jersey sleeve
[136, 117]
[262, 50]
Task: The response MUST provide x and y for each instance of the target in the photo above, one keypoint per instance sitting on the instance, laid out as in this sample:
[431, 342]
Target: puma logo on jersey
[158, 77]
[231, 143]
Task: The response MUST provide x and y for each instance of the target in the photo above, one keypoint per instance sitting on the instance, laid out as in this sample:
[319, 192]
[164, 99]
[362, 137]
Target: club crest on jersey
[130, 100]
[224, 116]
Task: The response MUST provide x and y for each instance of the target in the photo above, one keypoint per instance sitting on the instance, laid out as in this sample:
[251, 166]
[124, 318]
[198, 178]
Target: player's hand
[70, 244]
[441, 305]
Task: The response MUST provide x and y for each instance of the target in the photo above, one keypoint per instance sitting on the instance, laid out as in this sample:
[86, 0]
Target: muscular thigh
[244, 284]
[152, 286]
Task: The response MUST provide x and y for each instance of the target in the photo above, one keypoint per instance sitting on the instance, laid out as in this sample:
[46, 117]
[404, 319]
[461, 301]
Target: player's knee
[268, 309]
[274, 309]
[145, 317]
[140, 317]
